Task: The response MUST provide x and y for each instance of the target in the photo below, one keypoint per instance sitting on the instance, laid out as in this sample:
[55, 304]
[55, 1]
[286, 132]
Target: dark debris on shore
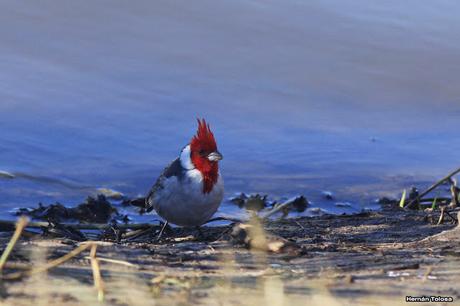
[93, 210]
[99, 210]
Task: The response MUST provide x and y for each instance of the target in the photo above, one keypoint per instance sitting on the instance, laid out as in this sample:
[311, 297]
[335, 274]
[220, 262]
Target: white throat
[185, 160]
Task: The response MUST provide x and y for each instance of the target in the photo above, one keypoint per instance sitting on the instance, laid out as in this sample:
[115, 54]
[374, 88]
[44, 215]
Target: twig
[98, 283]
[224, 233]
[452, 217]
[20, 225]
[277, 209]
[99, 243]
[300, 225]
[432, 187]
[136, 233]
[83, 226]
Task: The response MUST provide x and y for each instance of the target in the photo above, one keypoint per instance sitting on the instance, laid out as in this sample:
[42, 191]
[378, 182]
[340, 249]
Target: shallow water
[355, 97]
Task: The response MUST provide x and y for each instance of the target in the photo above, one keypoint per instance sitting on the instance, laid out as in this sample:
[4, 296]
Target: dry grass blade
[20, 225]
[115, 261]
[433, 206]
[441, 216]
[98, 283]
[403, 199]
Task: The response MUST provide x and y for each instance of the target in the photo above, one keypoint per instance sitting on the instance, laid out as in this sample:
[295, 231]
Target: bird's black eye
[201, 152]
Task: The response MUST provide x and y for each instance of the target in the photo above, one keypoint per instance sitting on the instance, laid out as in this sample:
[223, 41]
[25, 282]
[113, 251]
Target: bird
[190, 189]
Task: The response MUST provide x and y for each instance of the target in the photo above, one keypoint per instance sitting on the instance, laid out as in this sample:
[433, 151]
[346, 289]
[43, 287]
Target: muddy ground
[372, 258]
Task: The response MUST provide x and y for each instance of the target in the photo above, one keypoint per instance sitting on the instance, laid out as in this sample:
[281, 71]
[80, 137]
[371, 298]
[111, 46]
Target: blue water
[359, 98]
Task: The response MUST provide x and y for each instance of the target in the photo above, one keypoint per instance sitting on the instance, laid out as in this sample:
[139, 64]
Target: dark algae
[93, 210]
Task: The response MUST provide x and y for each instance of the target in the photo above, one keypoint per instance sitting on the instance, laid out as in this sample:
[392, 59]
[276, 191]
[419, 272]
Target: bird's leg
[162, 230]
[200, 235]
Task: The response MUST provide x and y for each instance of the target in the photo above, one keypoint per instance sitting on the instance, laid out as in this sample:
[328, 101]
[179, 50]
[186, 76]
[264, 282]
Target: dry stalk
[98, 283]
[20, 225]
[115, 261]
[441, 217]
[277, 209]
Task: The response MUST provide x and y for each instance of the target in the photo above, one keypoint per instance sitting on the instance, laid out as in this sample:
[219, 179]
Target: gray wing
[173, 169]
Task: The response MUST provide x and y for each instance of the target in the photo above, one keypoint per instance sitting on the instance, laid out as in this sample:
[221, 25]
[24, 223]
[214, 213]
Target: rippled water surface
[360, 98]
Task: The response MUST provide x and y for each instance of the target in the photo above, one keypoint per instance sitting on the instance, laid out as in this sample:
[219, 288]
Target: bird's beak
[215, 156]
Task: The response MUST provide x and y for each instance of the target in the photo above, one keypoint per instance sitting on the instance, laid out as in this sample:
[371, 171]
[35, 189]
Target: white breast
[182, 201]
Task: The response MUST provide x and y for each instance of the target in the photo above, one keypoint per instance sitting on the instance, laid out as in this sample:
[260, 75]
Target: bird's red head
[204, 155]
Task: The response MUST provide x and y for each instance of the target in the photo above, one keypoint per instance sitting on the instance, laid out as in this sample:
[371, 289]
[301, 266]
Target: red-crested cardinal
[190, 189]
